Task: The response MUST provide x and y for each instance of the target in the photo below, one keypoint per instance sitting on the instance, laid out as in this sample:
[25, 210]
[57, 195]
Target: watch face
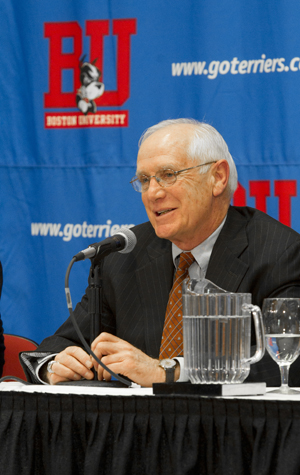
[166, 364]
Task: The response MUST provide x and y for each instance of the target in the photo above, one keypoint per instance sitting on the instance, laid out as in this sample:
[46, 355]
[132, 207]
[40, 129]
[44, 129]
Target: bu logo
[75, 82]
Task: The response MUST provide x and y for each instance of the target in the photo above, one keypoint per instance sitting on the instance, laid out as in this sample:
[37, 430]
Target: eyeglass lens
[163, 177]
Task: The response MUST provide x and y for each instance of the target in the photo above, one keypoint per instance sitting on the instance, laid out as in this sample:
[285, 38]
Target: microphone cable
[78, 331]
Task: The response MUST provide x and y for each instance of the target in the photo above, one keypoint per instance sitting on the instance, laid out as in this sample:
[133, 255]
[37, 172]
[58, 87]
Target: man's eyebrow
[163, 167]
[138, 173]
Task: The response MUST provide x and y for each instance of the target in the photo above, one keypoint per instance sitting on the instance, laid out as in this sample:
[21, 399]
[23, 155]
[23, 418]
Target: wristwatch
[169, 367]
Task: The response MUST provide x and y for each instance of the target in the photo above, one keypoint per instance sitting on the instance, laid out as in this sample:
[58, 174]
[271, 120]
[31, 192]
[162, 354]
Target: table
[48, 432]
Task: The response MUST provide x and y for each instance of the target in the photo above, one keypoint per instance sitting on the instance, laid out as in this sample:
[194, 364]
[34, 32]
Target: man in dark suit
[187, 178]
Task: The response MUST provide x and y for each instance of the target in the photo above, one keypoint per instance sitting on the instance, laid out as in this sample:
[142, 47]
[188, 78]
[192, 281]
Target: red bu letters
[58, 60]
[261, 189]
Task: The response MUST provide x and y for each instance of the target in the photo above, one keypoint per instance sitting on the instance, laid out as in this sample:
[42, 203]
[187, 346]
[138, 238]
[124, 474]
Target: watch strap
[169, 366]
[170, 375]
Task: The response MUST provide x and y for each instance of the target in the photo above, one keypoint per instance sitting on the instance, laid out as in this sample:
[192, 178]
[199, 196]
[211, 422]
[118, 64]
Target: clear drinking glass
[281, 318]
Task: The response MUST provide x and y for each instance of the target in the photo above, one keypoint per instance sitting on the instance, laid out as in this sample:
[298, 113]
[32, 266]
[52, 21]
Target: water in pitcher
[215, 348]
[217, 333]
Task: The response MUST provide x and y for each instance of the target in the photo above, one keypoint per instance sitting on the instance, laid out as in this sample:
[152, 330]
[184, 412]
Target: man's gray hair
[207, 145]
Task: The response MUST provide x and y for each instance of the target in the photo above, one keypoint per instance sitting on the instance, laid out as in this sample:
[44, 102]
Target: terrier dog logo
[91, 88]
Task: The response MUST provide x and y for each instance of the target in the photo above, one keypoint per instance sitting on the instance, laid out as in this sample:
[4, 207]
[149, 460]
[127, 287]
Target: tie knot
[185, 260]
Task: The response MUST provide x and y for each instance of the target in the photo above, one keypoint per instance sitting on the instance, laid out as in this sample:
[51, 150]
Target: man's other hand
[72, 364]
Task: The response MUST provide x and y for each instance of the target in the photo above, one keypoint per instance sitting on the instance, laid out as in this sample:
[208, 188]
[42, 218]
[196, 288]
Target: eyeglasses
[164, 177]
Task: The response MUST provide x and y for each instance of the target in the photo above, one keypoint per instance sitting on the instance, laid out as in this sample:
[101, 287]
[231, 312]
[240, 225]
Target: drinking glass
[281, 318]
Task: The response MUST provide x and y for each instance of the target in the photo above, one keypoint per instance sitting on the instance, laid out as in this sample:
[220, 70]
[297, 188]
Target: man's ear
[220, 174]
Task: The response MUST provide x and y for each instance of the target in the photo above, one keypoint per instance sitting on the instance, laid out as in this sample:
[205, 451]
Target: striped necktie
[172, 337]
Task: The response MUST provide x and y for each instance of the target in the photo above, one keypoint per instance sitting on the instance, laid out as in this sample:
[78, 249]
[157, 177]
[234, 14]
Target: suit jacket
[253, 253]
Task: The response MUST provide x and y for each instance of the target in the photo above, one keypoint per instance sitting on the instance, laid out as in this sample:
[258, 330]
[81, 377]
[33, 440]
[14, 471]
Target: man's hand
[123, 358]
[72, 364]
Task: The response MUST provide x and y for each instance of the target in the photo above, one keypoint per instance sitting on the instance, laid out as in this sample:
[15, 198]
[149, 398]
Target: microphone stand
[94, 294]
[95, 310]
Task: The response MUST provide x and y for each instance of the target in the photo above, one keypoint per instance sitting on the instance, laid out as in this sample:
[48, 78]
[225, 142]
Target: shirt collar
[201, 252]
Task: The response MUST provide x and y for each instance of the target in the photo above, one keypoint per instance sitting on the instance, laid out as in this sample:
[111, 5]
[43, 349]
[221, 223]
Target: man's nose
[155, 190]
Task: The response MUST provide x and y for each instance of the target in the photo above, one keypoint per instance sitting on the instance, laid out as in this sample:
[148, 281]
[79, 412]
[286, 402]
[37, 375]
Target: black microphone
[124, 241]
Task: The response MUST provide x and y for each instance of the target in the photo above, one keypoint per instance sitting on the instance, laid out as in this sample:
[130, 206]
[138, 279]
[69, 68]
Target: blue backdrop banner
[81, 81]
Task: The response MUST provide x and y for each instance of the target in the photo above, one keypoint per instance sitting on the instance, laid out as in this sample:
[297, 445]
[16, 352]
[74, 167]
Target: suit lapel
[154, 283]
[225, 268]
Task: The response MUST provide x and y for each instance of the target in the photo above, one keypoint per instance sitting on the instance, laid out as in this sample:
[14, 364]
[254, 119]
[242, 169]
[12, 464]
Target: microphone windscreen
[130, 238]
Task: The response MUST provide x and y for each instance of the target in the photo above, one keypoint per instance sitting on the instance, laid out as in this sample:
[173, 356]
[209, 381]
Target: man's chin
[164, 232]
